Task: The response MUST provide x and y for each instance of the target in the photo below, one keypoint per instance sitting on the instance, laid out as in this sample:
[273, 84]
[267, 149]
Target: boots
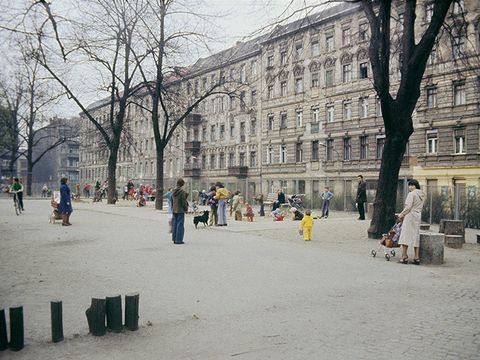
[68, 219]
[65, 220]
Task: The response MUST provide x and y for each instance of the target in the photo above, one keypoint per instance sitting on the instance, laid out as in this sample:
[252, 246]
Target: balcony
[193, 146]
[193, 119]
[193, 171]
[240, 172]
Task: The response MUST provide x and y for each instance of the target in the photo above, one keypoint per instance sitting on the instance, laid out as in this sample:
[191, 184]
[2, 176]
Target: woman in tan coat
[411, 217]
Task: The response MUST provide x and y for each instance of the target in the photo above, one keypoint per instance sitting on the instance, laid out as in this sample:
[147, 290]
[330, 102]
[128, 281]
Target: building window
[283, 154]
[329, 75]
[458, 6]
[298, 49]
[242, 132]
[380, 145]
[458, 45]
[232, 130]
[222, 131]
[232, 103]
[204, 133]
[253, 68]
[347, 148]
[347, 73]
[269, 155]
[243, 74]
[270, 92]
[253, 126]
[204, 164]
[299, 152]
[378, 105]
[212, 133]
[270, 60]
[283, 88]
[364, 70]
[431, 96]
[253, 158]
[432, 58]
[432, 141]
[364, 147]
[364, 107]
[429, 11]
[346, 37]
[221, 161]
[329, 42]
[315, 148]
[363, 32]
[329, 150]
[459, 135]
[315, 80]
[212, 162]
[283, 120]
[241, 159]
[298, 85]
[231, 159]
[330, 113]
[299, 118]
[347, 110]
[283, 57]
[253, 97]
[315, 47]
[459, 93]
[270, 120]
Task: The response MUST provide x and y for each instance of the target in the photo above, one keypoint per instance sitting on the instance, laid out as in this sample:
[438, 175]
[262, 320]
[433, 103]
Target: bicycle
[16, 203]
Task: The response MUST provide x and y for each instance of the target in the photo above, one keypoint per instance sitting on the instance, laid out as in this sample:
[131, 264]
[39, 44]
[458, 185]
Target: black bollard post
[114, 313]
[16, 328]
[96, 317]
[131, 311]
[57, 320]
[3, 331]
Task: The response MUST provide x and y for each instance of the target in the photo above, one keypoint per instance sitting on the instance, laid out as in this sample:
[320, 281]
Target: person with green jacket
[17, 189]
[180, 207]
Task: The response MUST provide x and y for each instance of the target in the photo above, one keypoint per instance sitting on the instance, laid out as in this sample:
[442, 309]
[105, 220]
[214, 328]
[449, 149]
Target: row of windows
[459, 94]
[459, 141]
[217, 132]
[218, 161]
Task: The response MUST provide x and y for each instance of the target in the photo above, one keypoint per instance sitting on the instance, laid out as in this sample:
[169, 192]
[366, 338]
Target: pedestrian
[259, 200]
[65, 205]
[411, 217]
[280, 200]
[44, 190]
[180, 207]
[237, 205]
[306, 225]
[222, 195]
[17, 189]
[249, 213]
[213, 220]
[361, 197]
[327, 195]
[168, 197]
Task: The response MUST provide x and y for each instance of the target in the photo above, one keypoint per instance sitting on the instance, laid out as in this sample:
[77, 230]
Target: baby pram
[389, 241]
[55, 215]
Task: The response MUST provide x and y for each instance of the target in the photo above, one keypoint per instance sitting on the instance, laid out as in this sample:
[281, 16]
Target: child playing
[249, 212]
[306, 225]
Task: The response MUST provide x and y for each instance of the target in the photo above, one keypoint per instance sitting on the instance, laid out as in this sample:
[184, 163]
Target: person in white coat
[411, 217]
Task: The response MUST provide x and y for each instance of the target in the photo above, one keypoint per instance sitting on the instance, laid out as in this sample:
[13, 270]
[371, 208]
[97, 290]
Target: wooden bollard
[57, 320]
[3, 331]
[96, 317]
[114, 313]
[131, 311]
[16, 328]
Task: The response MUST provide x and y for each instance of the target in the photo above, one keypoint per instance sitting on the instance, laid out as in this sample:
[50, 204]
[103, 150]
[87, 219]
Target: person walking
[213, 220]
[180, 207]
[222, 195]
[327, 195]
[306, 225]
[259, 200]
[44, 190]
[237, 206]
[65, 205]
[361, 197]
[411, 217]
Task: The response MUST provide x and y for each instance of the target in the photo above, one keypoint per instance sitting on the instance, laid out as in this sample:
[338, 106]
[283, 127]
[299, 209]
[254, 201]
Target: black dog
[201, 218]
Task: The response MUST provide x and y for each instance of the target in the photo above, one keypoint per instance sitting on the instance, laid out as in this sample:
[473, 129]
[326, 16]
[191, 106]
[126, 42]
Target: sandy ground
[247, 291]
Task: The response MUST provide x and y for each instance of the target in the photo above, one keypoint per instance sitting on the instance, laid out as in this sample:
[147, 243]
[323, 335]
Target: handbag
[300, 231]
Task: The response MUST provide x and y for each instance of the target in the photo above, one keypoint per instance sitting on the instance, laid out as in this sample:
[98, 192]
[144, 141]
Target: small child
[306, 225]
[249, 212]
[277, 215]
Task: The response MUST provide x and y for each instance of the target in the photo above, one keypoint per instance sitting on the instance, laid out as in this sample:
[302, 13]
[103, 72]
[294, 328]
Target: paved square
[245, 291]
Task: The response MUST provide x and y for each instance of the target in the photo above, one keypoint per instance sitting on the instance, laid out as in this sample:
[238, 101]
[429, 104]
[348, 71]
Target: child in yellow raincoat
[306, 225]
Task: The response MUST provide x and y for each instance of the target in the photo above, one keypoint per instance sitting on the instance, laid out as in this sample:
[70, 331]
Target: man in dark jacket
[180, 207]
[361, 198]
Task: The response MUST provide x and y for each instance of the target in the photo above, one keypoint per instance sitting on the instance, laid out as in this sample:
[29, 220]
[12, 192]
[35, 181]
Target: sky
[230, 21]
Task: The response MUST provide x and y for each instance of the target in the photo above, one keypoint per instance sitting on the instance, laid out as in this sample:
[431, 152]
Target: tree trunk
[29, 171]
[111, 176]
[386, 196]
[159, 181]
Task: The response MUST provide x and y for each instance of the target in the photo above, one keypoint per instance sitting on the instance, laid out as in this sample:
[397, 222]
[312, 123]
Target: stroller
[295, 201]
[389, 241]
[55, 215]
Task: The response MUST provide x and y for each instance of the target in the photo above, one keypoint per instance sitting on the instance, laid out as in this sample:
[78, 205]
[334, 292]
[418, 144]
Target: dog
[201, 218]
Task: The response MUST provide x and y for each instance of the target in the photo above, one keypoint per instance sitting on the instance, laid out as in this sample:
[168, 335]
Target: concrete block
[431, 248]
[454, 241]
[424, 227]
[452, 227]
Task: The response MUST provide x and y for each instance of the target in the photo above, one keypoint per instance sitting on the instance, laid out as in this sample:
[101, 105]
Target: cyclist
[17, 190]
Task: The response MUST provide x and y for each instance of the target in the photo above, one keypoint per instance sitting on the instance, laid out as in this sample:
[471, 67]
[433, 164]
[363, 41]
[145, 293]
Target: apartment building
[305, 114]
